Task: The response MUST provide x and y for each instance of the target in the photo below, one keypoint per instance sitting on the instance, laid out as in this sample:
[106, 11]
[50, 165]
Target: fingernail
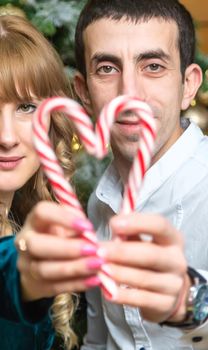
[92, 281]
[145, 238]
[101, 252]
[88, 249]
[82, 225]
[120, 222]
[95, 263]
[108, 295]
[109, 287]
[105, 268]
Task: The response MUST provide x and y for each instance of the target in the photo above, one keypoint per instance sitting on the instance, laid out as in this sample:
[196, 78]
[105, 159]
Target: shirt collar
[110, 188]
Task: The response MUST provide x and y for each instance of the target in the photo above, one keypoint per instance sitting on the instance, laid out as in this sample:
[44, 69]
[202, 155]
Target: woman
[30, 70]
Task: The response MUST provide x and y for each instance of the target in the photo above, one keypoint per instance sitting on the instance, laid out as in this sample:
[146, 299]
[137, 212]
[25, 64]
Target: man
[146, 48]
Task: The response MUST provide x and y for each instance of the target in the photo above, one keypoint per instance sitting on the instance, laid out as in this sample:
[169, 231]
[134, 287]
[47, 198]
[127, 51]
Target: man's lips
[133, 120]
[128, 122]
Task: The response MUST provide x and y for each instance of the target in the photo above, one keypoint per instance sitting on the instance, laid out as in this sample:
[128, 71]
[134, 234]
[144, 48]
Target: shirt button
[197, 339]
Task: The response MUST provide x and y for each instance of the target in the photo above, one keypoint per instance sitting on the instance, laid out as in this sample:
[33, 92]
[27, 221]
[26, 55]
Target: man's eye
[154, 67]
[106, 70]
[26, 108]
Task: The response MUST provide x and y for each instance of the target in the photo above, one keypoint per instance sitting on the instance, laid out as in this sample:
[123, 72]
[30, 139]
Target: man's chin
[125, 155]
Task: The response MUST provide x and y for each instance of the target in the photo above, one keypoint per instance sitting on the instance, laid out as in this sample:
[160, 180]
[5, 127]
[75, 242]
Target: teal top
[24, 326]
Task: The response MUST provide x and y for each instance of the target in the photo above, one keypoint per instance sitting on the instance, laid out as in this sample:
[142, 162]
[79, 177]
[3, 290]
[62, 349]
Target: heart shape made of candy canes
[95, 141]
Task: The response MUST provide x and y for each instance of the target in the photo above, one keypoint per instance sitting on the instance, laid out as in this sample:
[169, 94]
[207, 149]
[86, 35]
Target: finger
[76, 285]
[46, 214]
[164, 283]
[144, 255]
[44, 246]
[61, 231]
[43, 288]
[161, 231]
[63, 270]
[154, 307]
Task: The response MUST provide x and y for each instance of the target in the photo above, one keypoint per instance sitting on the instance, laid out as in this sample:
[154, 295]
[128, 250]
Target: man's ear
[81, 90]
[192, 82]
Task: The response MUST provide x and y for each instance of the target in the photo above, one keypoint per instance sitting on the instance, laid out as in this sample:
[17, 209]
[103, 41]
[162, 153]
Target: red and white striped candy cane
[52, 168]
[95, 144]
[147, 135]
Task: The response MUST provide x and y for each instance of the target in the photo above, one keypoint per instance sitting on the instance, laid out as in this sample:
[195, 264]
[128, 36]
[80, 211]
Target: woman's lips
[9, 163]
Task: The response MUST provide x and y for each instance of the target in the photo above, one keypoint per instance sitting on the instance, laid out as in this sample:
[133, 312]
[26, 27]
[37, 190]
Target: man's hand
[151, 272]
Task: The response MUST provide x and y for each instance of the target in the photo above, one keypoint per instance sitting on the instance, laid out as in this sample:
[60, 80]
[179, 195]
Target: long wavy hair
[29, 66]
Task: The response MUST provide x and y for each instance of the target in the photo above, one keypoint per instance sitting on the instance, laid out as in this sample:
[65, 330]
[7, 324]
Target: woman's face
[18, 159]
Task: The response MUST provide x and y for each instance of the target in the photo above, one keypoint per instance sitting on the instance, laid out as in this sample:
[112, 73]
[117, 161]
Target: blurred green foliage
[56, 19]
[202, 60]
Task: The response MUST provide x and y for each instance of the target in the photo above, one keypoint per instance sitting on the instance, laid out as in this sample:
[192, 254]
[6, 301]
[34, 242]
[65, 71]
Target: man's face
[140, 59]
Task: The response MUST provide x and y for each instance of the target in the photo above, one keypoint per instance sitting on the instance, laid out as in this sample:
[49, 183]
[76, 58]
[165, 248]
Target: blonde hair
[29, 66]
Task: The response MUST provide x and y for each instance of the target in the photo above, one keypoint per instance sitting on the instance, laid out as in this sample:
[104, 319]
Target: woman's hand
[53, 257]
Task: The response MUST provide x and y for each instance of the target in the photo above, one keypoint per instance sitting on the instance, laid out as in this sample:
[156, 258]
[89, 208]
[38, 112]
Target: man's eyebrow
[102, 57]
[160, 54]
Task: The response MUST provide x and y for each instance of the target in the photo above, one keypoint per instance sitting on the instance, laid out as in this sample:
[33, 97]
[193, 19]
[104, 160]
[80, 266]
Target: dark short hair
[135, 10]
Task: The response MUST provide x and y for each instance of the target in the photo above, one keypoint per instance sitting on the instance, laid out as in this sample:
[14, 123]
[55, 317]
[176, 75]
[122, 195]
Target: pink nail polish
[107, 270]
[95, 263]
[107, 295]
[82, 225]
[92, 281]
[88, 249]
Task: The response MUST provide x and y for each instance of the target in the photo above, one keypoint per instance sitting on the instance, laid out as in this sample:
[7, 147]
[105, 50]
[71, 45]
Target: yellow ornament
[11, 10]
[203, 97]
[199, 115]
[76, 146]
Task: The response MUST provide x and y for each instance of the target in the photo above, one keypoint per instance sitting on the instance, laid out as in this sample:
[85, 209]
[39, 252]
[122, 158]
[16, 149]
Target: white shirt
[176, 187]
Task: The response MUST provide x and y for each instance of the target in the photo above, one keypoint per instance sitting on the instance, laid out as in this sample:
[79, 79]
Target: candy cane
[143, 157]
[95, 144]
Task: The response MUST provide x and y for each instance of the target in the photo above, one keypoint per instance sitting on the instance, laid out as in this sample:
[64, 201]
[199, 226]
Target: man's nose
[8, 134]
[132, 85]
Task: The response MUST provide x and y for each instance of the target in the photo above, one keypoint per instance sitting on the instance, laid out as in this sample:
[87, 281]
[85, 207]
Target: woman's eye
[26, 108]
